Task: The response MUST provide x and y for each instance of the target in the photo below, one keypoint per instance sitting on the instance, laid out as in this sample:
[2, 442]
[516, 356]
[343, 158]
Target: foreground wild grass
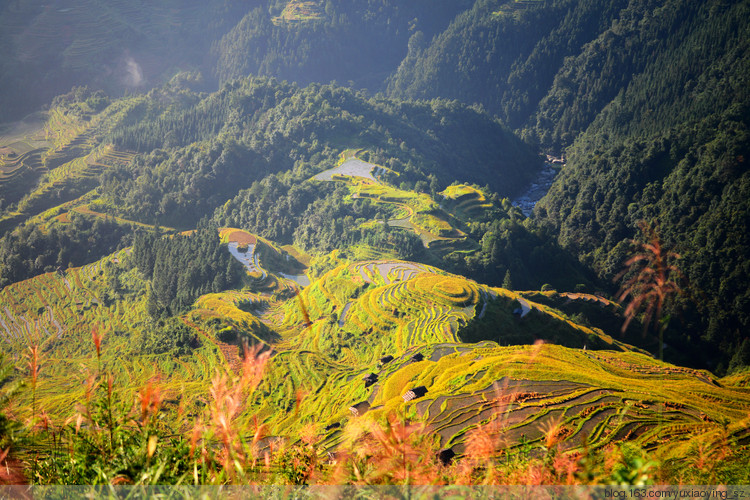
[120, 437]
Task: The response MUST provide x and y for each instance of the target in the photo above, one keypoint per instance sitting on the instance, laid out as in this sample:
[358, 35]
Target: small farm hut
[370, 379]
[415, 393]
[332, 426]
[360, 408]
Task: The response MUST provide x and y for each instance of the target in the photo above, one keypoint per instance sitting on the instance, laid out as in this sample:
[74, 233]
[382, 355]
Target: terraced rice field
[56, 311]
[601, 406]
[384, 306]
[225, 305]
[516, 395]
[302, 280]
[75, 176]
[21, 147]
[357, 314]
[248, 258]
[232, 235]
[85, 209]
[13, 165]
[65, 165]
[390, 271]
[416, 212]
[47, 306]
[244, 246]
[299, 11]
[465, 199]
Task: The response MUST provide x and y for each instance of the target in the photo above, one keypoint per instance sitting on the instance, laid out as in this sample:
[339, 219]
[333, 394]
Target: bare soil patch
[242, 238]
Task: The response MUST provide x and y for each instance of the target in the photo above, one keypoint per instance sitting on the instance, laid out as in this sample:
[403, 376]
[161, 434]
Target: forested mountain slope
[120, 46]
[651, 100]
[248, 152]
[358, 41]
[549, 68]
[671, 148]
[263, 126]
[504, 55]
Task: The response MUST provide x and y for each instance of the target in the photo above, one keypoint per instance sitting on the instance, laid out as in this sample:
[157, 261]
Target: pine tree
[507, 282]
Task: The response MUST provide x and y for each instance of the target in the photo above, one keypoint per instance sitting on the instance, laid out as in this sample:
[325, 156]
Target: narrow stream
[537, 189]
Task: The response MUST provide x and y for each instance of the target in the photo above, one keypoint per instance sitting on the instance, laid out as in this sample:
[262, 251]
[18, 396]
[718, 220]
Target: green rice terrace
[21, 148]
[298, 12]
[363, 342]
[416, 212]
[58, 161]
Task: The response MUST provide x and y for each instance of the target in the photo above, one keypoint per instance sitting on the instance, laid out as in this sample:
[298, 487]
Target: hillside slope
[503, 55]
[675, 158]
[399, 324]
[250, 154]
[360, 42]
[649, 102]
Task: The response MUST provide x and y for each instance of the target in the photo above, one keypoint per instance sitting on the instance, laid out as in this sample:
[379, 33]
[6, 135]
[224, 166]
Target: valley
[371, 243]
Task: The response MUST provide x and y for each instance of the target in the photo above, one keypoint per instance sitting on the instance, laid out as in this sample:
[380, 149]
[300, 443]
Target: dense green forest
[671, 148]
[502, 55]
[255, 126]
[30, 251]
[183, 267]
[357, 41]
